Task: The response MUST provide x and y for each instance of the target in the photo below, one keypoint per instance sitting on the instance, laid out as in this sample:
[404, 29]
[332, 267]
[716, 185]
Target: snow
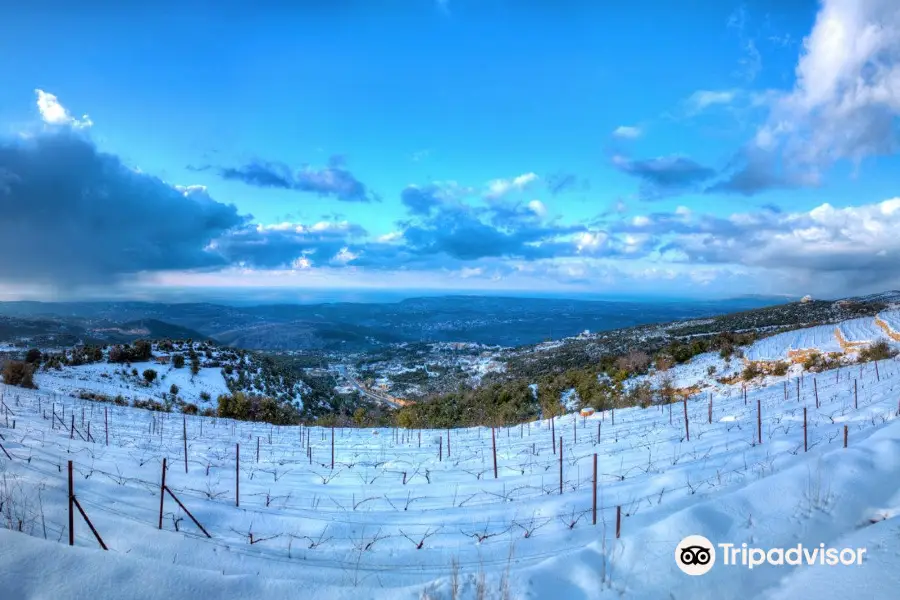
[778, 346]
[694, 372]
[353, 531]
[861, 330]
[891, 318]
[112, 379]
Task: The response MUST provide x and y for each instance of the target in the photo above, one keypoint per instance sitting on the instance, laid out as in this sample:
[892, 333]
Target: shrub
[205, 396]
[780, 368]
[173, 390]
[20, 373]
[33, 356]
[751, 371]
[149, 375]
[812, 361]
[190, 409]
[178, 361]
[640, 395]
[150, 405]
[256, 408]
[880, 350]
[140, 351]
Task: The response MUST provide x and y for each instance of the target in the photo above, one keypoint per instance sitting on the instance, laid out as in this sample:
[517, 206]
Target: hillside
[393, 515]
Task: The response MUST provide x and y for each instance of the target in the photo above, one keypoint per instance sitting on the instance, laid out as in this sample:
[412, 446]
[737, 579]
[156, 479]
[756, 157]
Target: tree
[173, 390]
[178, 361]
[195, 367]
[666, 387]
[635, 362]
[359, 416]
[143, 351]
[149, 375]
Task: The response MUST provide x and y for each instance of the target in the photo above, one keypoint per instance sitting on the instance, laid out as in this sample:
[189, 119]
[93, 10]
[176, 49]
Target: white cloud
[590, 241]
[501, 187]
[853, 240]
[467, 272]
[538, 208]
[54, 113]
[703, 99]
[846, 96]
[344, 256]
[390, 237]
[640, 220]
[627, 132]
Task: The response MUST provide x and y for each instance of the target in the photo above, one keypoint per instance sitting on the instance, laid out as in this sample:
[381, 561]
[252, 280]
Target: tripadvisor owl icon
[695, 555]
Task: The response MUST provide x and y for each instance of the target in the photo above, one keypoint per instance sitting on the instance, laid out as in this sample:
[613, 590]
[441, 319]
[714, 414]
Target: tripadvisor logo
[695, 555]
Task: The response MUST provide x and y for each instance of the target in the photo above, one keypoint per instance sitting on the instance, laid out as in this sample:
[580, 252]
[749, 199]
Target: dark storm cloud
[73, 215]
[273, 248]
[664, 176]
[498, 231]
[753, 171]
[334, 180]
[666, 171]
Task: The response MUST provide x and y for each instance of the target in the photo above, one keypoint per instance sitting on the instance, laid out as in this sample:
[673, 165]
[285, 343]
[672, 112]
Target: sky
[705, 148]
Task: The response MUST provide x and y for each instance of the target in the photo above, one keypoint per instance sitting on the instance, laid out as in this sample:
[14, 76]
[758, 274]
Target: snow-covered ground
[861, 330]
[779, 346]
[891, 318]
[113, 379]
[695, 372]
[394, 514]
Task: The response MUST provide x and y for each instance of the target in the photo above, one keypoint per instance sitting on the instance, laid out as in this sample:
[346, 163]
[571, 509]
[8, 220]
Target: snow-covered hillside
[110, 379]
[782, 345]
[396, 517]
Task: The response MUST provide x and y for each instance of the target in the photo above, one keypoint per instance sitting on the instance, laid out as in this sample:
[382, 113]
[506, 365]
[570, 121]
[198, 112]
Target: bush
[880, 350]
[205, 396]
[780, 368]
[751, 371]
[20, 373]
[173, 390]
[190, 409]
[140, 351]
[178, 361]
[812, 361]
[33, 356]
[151, 405]
[256, 408]
[149, 375]
[640, 395]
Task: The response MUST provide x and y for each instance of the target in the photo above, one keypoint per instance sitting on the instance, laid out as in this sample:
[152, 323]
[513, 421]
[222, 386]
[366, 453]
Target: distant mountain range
[354, 327]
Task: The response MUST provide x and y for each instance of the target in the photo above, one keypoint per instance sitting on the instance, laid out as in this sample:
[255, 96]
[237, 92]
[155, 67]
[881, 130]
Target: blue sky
[710, 148]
